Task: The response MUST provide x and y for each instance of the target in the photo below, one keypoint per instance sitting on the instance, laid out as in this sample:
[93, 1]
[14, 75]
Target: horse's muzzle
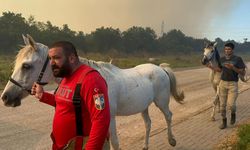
[9, 102]
[204, 60]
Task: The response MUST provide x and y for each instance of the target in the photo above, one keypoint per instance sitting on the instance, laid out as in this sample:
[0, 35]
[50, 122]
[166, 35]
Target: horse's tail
[176, 93]
[244, 77]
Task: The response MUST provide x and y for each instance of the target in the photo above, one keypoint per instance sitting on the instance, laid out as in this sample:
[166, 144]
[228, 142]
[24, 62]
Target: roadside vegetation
[6, 65]
[239, 139]
[243, 142]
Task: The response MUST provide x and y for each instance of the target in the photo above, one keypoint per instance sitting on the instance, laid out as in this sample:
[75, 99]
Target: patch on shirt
[99, 101]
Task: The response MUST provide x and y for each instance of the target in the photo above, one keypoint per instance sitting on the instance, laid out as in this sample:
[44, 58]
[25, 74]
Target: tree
[11, 27]
[139, 39]
[174, 41]
[106, 39]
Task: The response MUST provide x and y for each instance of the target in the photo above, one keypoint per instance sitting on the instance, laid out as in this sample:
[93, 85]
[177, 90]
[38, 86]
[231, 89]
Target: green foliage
[139, 39]
[177, 42]
[244, 137]
[11, 27]
[106, 39]
[128, 61]
[5, 69]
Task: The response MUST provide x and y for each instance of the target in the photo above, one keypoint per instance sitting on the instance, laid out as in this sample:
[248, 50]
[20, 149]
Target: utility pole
[245, 40]
[162, 28]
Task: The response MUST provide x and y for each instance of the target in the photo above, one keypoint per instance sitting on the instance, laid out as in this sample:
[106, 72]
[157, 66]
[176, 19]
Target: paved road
[28, 127]
[197, 132]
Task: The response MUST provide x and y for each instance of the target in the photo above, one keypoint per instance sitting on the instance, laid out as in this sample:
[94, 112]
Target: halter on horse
[37, 81]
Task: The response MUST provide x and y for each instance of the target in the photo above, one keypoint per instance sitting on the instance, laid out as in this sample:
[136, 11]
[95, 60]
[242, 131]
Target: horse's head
[28, 65]
[210, 54]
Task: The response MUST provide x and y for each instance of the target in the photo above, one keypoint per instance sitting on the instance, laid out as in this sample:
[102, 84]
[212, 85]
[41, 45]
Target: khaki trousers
[228, 93]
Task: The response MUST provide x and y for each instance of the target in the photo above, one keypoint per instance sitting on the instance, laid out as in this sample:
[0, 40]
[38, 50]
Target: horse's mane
[97, 64]
[217, 57]
[106, 69]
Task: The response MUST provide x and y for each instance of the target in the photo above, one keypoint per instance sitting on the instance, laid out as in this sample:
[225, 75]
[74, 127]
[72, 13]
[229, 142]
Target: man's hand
[209, 66]
[37, 90]
[229, 66]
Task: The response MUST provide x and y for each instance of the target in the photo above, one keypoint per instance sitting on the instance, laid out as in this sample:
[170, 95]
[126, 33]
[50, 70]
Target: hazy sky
[227, 19]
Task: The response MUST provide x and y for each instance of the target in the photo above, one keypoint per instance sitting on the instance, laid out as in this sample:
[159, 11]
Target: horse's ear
[215, 44]
[31, 41]
[206, 43]
[26, 40]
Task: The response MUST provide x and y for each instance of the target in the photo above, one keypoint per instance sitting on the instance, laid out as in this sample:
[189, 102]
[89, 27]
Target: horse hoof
[172, 142]
[212, 119]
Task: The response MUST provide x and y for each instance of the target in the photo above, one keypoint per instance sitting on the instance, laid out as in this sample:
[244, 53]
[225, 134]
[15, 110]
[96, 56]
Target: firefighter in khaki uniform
[232, 67]
[95, 113]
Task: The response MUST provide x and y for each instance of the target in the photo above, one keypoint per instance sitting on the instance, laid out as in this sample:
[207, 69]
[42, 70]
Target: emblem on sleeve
[99, 101]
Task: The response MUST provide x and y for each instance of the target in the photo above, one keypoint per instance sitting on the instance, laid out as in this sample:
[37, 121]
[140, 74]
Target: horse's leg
[147, 123]
[168, 117]
[113, 135]
[217, 98]
[163, 105]
[214, 108]
[216, 102]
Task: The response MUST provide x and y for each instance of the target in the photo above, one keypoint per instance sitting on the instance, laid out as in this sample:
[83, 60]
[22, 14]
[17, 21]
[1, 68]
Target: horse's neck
[214, 62]
[107, 70]
[214, 75]
[48, 75]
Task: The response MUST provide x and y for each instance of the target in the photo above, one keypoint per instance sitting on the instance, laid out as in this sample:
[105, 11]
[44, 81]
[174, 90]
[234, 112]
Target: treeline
[135, 40]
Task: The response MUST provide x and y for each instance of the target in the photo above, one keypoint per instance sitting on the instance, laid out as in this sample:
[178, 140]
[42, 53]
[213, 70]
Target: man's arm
[96, 97]
[240, 71]
[48, 98]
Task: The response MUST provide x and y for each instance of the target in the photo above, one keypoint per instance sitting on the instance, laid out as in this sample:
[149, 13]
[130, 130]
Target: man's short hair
[231, 45]
[68, 47]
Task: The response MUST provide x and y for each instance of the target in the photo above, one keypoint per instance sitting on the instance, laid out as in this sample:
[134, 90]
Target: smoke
[195, 18]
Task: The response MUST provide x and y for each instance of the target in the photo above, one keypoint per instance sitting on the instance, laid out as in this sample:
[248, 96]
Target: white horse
[130, 91]
[211, 56]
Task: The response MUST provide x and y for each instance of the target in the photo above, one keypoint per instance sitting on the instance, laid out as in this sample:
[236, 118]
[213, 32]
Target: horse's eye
[26, 66]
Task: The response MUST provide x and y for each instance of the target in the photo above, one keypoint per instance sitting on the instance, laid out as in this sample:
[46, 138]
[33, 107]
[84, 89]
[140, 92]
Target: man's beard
[63, 71]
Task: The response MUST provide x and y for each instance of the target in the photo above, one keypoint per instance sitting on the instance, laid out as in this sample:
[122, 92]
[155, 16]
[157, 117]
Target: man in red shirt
[94, 112]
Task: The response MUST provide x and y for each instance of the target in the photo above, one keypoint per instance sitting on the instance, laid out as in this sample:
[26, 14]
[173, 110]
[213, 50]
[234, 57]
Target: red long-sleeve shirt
[95, 109]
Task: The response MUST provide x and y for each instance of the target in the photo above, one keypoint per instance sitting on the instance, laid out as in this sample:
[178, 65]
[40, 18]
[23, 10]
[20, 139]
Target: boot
[224, 123]
[233, 118]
